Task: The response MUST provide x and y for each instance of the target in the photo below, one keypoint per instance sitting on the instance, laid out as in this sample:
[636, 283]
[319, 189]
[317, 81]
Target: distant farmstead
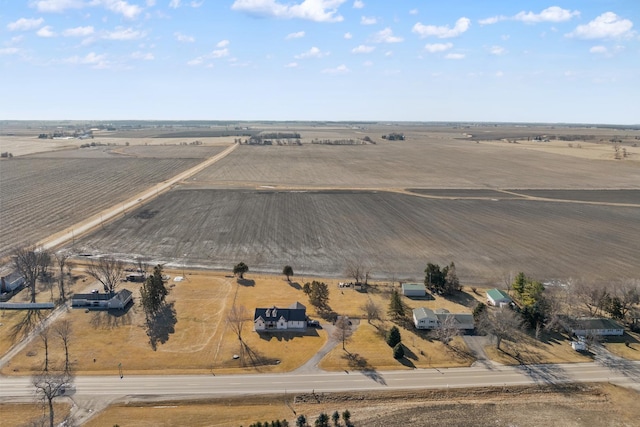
[274, 319]
[97, 301]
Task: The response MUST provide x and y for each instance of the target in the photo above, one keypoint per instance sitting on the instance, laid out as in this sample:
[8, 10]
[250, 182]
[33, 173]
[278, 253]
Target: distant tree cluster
[6, 154]
[442, 281]
[394, 137]
[323, 420]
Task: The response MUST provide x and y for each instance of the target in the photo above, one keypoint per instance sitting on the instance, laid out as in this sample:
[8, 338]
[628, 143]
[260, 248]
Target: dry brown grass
[628, 346]
[551, 349]
[21, 414]
[601, 405]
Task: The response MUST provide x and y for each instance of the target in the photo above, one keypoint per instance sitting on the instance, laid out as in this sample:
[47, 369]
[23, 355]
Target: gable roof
[594, 323]
[424, 313]
[497, 294]
[274, 313]
[413, 287]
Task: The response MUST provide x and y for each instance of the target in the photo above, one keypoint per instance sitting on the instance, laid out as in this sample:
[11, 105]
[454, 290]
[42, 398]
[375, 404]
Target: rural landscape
[196, 225]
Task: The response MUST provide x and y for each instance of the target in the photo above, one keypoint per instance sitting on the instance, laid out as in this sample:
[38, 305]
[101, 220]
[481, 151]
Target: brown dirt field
[585, 405]
[422, 162]
[317, 232]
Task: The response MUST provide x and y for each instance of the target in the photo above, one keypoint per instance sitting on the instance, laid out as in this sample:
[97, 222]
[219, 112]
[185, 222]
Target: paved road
[173, 386]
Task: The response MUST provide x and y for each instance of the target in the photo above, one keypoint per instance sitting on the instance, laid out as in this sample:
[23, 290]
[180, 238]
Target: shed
[414, 289]
[498, 298]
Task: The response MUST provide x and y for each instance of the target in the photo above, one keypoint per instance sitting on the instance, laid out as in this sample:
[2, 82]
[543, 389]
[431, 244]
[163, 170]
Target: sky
[555, 61]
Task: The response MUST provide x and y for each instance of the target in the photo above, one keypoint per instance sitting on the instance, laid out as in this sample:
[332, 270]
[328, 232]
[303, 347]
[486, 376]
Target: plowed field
[317, 232]
[39, 197]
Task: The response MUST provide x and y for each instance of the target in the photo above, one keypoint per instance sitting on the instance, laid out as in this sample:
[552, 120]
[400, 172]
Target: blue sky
[460, 60]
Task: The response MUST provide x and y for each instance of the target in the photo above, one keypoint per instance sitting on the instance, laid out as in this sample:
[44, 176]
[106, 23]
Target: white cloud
[314, 52]
[442, 32]
[121, 33]
[144, 56]
[358, 4]
[196, 4]
[413, 12]
[312, 10]
[97, 61]
[367, 63]
[348, 36]
[363, 49]
[454, 56]
[129, 11]
[438, 47]
[46, 32]
[368, 20]
[388, 53]
[499, 74]
[183, 37]
[550, 14]
[598, 49]
[608, 25]
[151, 3]
[222, 43]
[386, 36]
[58, 5]
[196, 61]
[8, 50]
[291, 65]
[78, 31]
[297, 35]
[340, 69]
[25, 24]
[174, 4]
[492, 20]
[219, 53]
[497, 50]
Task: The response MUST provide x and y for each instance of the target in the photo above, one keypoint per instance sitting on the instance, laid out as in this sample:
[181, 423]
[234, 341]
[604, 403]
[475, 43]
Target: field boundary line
[99, 219]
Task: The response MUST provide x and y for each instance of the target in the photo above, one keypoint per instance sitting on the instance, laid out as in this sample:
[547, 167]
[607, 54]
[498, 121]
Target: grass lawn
[552, 348]
[627, 346]
[23, 414]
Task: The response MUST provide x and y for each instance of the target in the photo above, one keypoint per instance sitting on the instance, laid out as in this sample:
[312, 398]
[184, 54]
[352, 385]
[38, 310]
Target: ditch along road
[81, 228]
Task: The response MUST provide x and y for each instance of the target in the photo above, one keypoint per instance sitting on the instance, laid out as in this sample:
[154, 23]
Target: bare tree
[107, 271]
[236, 318]
[61, 259]
[446, 331]
[29, 262]
[357, 271]
[628, 294]
[44, 337]
[343, 330]
[372, 310]
[63, 330]
[49, 386]
[590, 294]
[502, 323]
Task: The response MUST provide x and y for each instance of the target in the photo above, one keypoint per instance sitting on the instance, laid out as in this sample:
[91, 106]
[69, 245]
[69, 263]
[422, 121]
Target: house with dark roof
[425, 318]
[595, 326]
[275, 319]
[498, 298]
[98, 301]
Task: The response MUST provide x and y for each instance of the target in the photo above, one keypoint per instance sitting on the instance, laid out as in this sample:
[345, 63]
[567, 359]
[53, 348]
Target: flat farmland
[424, 162]
[317, 232]
[141, 151]
[41, 196]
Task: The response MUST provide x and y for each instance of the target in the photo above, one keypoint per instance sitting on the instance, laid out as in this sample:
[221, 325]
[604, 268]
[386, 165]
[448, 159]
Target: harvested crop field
[143, 151]
[39, 197]
[421, 163]
[602, 196]
[317, 232]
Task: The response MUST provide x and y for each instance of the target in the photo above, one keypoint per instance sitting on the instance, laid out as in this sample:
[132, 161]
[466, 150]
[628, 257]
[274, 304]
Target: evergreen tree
[396, 307]
[394, 337]
[335, 418]
[153, 293]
